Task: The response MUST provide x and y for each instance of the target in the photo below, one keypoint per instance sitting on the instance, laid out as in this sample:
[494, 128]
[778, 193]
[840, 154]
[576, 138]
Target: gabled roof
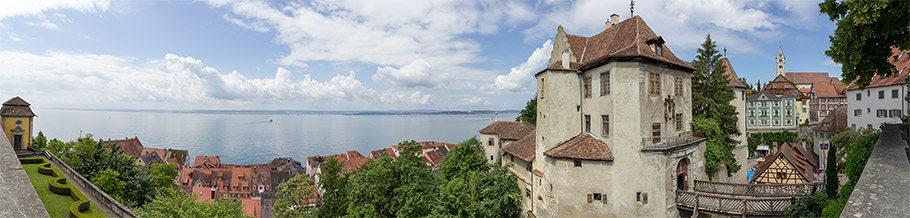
[810, 77]
[901, 61]
[730, 73]
[524, 148]
[584, 146]
[16, 107]
[151, 158]
[435, 157]
[833, 123]
[433, 144]
[770, 96]
[207, 162]
[806, 151]
[799, 162]
[628, 38]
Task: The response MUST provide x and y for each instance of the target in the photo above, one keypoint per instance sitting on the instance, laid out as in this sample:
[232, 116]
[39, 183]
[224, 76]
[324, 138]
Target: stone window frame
[678, 86]
[605, 125]
[587, 121]
[679, 121]
[859, 96]
[576, 163]
[894, 93]
[881, 94]
[894, 113]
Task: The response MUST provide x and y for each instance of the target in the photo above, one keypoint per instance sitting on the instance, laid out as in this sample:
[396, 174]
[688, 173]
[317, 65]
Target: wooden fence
[750, 206]
[758, 190]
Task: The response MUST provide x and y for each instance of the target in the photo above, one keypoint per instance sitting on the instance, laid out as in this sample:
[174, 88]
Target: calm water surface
[252, 138]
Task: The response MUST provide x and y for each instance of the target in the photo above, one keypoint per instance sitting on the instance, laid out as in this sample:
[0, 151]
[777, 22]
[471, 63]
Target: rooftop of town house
[901, 61]
[833, 124]
[130, 146]
[435, 157]
[828, 90]
[630, 38]
[793, 156]
[804, 78]
[508, 130]
[203, 161]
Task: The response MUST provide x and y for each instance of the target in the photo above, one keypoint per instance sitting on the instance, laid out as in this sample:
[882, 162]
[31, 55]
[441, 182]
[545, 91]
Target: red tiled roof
[251, 206]
[378, 153]
[833, 124]
[16, 107]
[435, 157]
[734, 79]
[523, 148]
[797, 160]
[901, 61]
[207, 162]
[508, 130]
[433, 144]
[538, 173]
[584, 146]
[809, 78]
[826, 90]
[130, 146]
[628, 38]
[353, 163]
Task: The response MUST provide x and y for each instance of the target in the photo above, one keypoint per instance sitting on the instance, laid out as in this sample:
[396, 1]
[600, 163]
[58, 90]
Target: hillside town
[619, 126]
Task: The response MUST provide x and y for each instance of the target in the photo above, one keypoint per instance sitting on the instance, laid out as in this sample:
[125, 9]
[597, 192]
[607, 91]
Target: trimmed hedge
[59, 185]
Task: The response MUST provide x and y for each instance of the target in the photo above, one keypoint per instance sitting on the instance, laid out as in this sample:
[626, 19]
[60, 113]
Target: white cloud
[44, 24]
[393, 35]
[474, 101]
[14, 38]
[89, 80]
[27, 8]
[256, 26]
[518, 78]
[416, 74]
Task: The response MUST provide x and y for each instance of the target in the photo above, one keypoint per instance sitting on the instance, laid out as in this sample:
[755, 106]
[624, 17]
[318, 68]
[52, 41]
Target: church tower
[781, 62]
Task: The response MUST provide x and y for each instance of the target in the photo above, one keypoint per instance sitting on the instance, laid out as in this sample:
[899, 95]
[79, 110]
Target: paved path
[18, 197]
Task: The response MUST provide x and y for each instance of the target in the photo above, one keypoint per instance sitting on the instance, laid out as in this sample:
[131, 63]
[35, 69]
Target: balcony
[668, 143]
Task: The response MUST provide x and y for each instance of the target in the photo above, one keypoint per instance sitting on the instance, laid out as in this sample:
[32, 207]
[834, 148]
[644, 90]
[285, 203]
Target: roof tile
[584, 146]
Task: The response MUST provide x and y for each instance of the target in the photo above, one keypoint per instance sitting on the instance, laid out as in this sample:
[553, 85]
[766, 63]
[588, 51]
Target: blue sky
[354, 55]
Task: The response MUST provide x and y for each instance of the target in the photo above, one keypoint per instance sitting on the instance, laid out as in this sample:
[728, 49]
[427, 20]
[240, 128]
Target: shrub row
[59, 185]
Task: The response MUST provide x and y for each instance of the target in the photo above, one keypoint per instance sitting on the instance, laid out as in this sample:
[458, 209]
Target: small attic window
[656, 45]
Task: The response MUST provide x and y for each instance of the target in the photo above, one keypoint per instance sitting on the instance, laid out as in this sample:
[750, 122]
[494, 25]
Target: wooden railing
[758, 190]
[752, 206]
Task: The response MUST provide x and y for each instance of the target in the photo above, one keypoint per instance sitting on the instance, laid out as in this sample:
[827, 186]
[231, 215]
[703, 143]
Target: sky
[355, 55]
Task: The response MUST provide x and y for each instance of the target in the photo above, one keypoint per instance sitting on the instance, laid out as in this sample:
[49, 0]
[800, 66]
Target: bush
[808, 206]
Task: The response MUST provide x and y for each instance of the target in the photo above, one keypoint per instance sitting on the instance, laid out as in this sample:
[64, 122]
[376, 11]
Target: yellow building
[802, 110]
[16, 120]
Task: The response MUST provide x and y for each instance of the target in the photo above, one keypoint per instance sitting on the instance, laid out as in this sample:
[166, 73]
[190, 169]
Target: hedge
[59, 185]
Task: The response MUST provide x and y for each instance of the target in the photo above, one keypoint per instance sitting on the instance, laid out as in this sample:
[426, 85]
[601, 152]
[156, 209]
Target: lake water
[248, 138]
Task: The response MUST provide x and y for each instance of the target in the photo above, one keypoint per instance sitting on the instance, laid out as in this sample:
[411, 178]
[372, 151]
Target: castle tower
[16, 122]
[781, 62]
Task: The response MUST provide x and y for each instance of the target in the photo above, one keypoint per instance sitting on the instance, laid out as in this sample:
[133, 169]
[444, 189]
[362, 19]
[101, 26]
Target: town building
[788, 165]
[519, 152]
[825, 130]
[768, 112]
[782, 86]
[497, 135]
[254, 185]
[804, 82]
[16, 120]
[826, 97]
[884, 99]
[146, 155]
[589, 165]
[741, 152]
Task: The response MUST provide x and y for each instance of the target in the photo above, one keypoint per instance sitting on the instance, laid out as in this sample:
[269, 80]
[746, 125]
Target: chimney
[614, 19]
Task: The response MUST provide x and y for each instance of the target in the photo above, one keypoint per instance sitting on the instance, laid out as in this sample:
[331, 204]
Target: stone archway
[682, 174]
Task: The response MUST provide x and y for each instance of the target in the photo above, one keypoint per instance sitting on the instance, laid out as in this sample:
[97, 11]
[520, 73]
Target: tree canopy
[711, 108]
[293, 198]
[866, 32]
[529, 113]
[172, 202]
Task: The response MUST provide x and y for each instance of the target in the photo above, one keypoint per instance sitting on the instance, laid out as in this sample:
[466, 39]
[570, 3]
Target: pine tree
[831, 181]
[711, 98]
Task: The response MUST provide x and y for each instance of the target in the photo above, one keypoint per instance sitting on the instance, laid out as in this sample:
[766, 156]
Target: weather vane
[632, 8]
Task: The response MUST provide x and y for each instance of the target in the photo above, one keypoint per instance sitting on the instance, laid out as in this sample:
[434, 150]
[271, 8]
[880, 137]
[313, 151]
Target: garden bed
[60, 198]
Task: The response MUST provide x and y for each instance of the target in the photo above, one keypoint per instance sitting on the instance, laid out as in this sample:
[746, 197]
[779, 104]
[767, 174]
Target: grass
[56, 205]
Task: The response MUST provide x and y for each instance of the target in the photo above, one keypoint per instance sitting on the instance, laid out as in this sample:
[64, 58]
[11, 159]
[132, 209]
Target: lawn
[56, 205]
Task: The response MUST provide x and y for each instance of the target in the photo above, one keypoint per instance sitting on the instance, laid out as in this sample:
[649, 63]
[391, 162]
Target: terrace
[670, 143]
[60, 198]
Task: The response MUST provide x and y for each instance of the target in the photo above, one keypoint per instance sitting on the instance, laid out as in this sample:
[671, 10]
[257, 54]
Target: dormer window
[656, 44]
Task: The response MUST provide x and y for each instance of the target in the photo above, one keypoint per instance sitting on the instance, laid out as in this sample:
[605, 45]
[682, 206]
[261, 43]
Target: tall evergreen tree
[831, 182]
[711, 96]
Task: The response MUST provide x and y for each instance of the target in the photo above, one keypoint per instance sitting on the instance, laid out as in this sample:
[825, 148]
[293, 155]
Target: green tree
[294, 198]
[856, 162]
[711, 98]
[405, 187]
[109, 181]
[90, 157]
[39, 142]
[172, 202]
[808, 206]
[164, 174]
[717, 147]
[334, 201]
[470, 187]
[866, 31]
[529, 113]
[831, 182]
